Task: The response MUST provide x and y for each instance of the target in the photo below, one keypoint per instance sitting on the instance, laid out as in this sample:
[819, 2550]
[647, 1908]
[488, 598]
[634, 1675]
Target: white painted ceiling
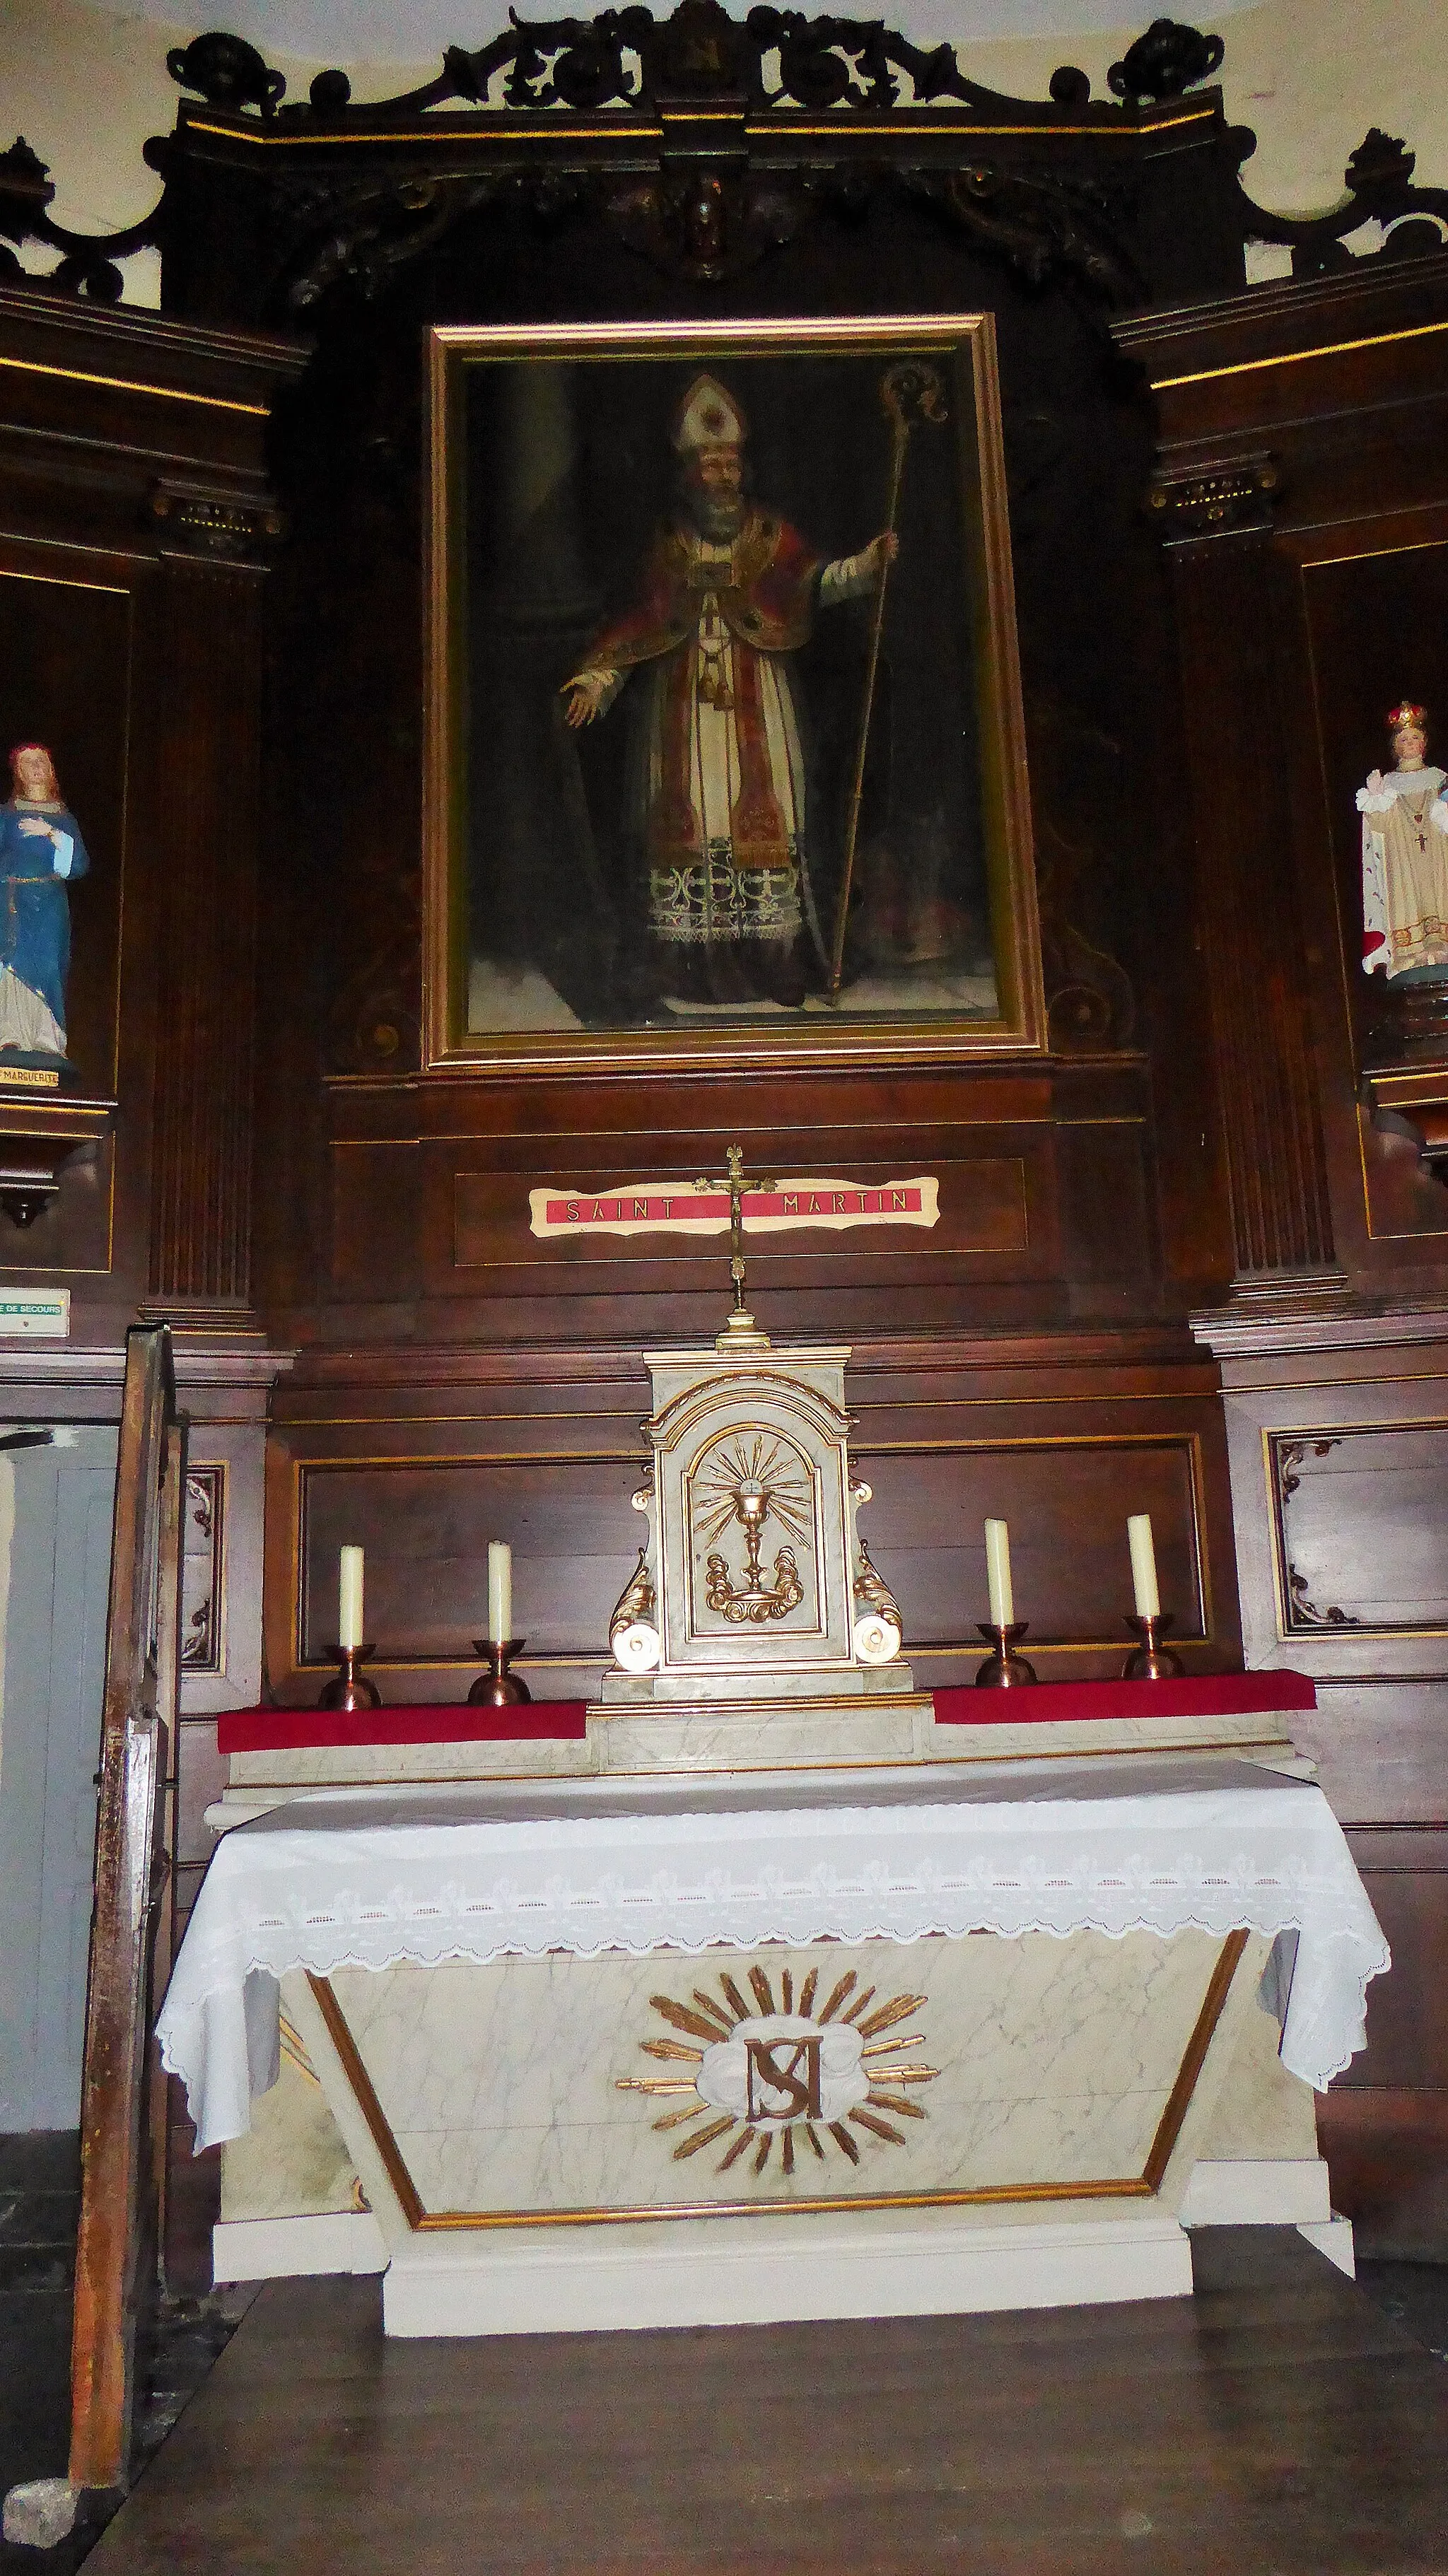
[415, 31]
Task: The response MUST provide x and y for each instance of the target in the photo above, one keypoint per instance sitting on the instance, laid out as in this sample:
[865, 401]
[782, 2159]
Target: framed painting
[725, 746]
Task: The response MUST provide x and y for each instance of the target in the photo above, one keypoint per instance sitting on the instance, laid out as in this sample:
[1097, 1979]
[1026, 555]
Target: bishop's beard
[717, 515]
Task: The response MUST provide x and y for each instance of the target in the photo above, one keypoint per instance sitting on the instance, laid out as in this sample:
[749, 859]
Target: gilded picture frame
[725, 751]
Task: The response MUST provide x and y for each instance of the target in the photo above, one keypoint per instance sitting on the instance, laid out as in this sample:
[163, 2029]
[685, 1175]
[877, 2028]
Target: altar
[588, 2055]
[766, 1985]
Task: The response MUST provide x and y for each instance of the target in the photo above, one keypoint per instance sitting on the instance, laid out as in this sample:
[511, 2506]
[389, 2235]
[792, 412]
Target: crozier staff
[726, 600]
[41, 851]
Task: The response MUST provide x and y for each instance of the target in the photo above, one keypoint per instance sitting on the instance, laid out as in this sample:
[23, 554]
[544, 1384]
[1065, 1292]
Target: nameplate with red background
[664, 1207]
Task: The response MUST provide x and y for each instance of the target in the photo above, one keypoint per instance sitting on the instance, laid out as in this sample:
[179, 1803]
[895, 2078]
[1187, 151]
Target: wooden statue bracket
[1408, 1100]
[40, 1132]
[703, 143]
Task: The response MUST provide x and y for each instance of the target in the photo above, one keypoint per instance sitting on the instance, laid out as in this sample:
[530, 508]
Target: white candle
[998, 1574]
[1143, 1566]
[349, 1597]
[500, 1592]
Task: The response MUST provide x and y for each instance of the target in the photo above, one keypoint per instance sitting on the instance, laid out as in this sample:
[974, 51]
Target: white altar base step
[1059, 2271]
[1285, 2191]
[297, 2248]
[702, 2272]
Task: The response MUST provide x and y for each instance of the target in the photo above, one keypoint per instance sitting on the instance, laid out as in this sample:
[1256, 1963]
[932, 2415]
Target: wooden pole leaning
[120, 2214]
[911, 390]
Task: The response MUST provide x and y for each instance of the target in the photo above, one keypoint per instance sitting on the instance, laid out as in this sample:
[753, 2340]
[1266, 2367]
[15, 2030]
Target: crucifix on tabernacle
[734, 1181]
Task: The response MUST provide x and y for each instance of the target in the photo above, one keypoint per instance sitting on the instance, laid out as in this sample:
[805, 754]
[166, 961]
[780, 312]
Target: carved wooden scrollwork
[1042, 224]
[359, 236]
[703, 216]
[1379, 184]
[1164, 62]
[1302, 1611]
[375, 1020]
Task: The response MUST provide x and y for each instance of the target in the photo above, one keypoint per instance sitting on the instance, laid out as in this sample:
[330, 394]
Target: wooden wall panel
[203, 845]
[1383, 2127]
[426, 1530]
[1066, 1501]
[1252, 935]
[1047, 1203]
[1340, 1479]
[1406, 1875]
[1381, 1745]
[1301, 481]
[135, 519]
[546, 1451]
[1362, 1529]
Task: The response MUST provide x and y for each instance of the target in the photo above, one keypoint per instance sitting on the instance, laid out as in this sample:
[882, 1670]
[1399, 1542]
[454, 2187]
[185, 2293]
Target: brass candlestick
[1005, 1669]
[351, 1689]
[1151, 1661]
[497, 1687]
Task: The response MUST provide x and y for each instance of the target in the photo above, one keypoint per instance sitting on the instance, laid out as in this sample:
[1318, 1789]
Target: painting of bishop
[718, 789]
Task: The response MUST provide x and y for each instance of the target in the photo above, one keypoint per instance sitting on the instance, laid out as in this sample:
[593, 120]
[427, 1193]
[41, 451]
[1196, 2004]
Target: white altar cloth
[375, 1878]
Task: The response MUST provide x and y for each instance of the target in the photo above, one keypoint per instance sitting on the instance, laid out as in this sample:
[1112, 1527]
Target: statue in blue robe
[41, 851]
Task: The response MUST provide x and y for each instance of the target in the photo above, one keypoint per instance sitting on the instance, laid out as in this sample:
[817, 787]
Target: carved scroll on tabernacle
[666, 1207]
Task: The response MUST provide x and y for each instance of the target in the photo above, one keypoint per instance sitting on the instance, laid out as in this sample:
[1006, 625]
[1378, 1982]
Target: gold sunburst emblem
[784, 2071]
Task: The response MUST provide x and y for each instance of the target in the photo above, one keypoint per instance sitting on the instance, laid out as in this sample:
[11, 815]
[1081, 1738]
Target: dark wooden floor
[1278, 2422]
[39, 2210]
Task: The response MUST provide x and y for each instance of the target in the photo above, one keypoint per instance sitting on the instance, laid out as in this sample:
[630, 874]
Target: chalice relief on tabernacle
[41, 852]
[742, 1484]
[1405, 858]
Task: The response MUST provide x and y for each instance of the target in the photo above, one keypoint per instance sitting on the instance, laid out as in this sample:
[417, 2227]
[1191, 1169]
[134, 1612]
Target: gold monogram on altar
[811, 2072]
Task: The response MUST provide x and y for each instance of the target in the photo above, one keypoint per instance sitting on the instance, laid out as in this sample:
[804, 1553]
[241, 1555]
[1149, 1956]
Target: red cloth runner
[1195, 1695]
[287, 1730]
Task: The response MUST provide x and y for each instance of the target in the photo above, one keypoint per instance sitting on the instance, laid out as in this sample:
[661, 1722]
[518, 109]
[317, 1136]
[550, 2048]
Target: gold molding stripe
[367, 2102]
[424, 135]
[1142, 2186]
[630, 1390]
[1375, 554]
[651, 130]
[1167, 1437]
[66, 581]
[1297, 357]
[130, 385]
[1169, 2129]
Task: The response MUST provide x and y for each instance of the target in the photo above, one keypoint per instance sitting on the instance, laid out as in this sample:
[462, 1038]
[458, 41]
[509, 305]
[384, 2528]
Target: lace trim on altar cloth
[711, 899]
[383, 1899]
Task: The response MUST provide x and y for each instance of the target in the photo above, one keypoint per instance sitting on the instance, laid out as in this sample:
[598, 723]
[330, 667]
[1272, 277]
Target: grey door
[51, 1676]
